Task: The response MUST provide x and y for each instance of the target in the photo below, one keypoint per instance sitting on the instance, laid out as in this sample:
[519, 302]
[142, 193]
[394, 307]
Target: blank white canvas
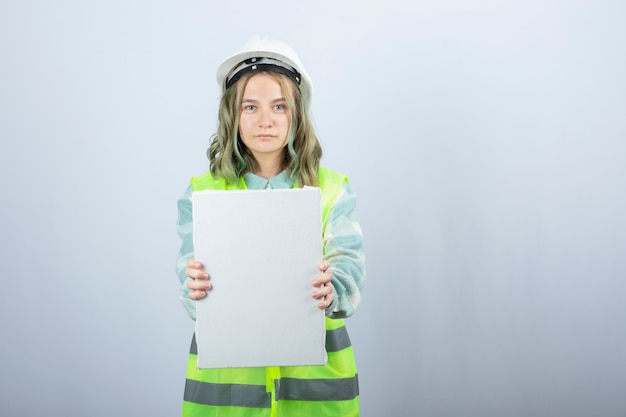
[261, 249]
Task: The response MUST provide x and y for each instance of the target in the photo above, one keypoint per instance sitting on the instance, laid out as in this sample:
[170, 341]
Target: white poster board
[261, 249]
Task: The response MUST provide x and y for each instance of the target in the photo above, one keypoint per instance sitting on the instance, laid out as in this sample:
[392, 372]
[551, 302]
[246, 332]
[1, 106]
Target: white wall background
[487, 143]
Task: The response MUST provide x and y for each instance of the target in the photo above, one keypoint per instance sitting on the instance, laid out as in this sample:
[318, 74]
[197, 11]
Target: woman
[265, 139]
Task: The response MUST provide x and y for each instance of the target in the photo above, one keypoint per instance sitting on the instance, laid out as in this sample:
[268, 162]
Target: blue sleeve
[343, 248]
[185, 231]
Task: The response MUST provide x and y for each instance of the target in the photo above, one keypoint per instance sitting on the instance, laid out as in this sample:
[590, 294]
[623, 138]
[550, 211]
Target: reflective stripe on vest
[333, 389]
[239, 395]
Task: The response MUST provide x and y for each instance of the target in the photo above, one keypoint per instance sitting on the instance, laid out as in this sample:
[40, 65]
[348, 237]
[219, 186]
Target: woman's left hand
[324, 290]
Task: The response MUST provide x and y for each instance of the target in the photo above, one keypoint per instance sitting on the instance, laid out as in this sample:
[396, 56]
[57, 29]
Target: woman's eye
[279, 107]
[249, 107]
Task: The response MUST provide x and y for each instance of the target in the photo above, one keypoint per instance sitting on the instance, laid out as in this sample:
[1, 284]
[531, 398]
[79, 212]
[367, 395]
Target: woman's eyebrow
[253, 100]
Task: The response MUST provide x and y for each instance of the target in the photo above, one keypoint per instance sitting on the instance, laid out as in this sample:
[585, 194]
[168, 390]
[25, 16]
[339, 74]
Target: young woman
[265, 139]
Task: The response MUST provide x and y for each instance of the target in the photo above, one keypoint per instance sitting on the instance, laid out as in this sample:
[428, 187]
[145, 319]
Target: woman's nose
[265, 119]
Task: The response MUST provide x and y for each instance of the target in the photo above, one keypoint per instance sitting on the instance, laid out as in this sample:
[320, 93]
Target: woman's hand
[324, 291]
[198, 281]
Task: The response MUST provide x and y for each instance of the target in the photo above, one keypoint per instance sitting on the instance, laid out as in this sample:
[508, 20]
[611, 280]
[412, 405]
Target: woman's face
[265, 119]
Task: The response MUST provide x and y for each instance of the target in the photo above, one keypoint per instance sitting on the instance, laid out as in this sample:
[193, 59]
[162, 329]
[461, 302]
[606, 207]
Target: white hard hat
[256, 53]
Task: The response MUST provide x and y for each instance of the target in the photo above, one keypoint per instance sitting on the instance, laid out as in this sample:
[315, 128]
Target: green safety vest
[288, 391]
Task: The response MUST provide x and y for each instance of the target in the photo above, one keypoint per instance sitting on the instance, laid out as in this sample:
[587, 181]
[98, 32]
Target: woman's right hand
[198, 281]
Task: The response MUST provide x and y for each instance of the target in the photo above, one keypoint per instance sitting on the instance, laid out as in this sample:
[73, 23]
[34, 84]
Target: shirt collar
[282, 180]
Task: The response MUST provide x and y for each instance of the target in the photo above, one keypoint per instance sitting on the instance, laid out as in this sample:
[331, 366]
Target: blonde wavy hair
[230, 158]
